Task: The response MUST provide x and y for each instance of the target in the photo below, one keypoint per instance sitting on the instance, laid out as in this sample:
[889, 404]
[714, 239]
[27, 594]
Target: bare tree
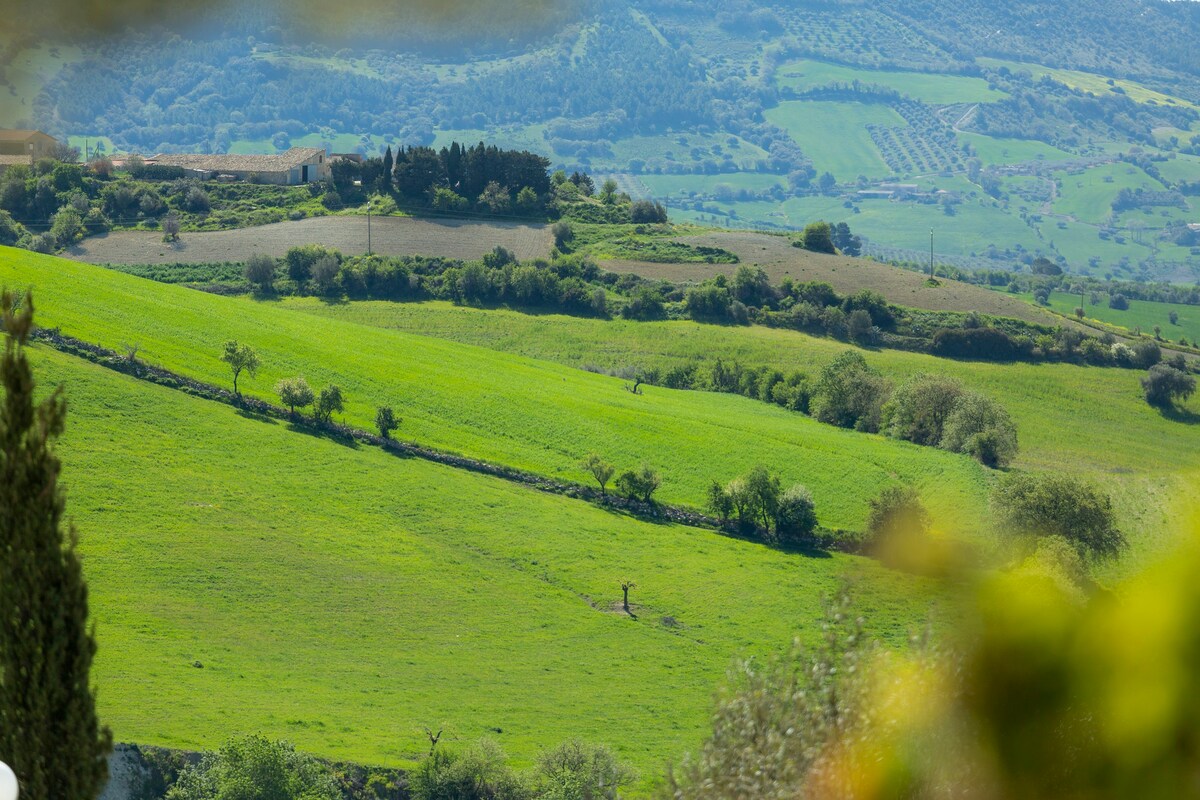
[626, 585]
[170, 228]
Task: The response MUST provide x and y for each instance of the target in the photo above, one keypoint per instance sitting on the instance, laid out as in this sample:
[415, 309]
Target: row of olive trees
[295, 393]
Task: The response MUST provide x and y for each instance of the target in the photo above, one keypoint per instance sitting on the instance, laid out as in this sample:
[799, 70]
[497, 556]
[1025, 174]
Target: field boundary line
[646, 511]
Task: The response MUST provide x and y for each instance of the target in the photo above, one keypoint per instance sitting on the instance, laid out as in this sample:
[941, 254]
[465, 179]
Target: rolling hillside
[248, 578]
[526, 413]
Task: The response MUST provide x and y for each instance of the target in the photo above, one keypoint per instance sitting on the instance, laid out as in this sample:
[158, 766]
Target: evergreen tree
[385, 180]
[49, 733]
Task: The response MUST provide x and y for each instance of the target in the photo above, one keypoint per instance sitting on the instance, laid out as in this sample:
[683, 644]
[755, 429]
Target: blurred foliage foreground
[1043, 693]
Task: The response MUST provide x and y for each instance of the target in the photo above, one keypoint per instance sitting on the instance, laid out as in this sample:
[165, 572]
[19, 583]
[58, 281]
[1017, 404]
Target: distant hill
[1013, 128]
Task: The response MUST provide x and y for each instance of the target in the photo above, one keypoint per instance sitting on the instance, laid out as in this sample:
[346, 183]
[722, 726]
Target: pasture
[248, 578]
[453, 238]
[924, 86]
[530, 414]
[1089, 82]
[1141, 315]
[1088, 195]
[834, 134]
[998, 151]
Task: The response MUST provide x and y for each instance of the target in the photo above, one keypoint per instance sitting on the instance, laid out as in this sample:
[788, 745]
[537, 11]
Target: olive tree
[850, 394]
[599, 469]
[386, 421]
[260, 271]
[328, 401]
[917, 411]
[1048, 504]
[1164, 385]
[240, 358]
[980, 427]
[294, 393]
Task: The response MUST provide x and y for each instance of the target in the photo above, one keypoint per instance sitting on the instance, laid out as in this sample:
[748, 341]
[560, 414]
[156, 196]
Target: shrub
[647, 212]
[480, 772]
[919, 408]
[577, 771]
[1059, 505]
[896, 511]
[850, 394]
[255, 767]
[990, 344]
[818, 237]
[1146, 353]
[300, 260]
[980, 427]
[196, 201]
[260, 271]
[564, 234]
[1164, 384]
[796, 515]
[640, 485]
[325, 274]
[647, 304]
[11, 231]
[1119, 302]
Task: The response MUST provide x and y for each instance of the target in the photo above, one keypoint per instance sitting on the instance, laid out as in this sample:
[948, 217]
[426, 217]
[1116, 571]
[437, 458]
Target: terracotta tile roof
[232, 163]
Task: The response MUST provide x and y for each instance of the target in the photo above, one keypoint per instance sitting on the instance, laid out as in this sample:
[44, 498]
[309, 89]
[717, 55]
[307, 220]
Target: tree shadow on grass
[246, 413]
[1182, 415]
[327, 435]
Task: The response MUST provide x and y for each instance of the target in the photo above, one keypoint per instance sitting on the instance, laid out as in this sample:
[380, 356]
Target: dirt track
[348, 234]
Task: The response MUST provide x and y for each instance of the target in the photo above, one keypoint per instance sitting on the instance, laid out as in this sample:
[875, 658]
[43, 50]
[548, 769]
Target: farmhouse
[22, 148]
[296, 166]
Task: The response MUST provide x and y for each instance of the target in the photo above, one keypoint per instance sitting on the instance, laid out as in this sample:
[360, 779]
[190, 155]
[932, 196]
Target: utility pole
[931, 254]
[368, 226]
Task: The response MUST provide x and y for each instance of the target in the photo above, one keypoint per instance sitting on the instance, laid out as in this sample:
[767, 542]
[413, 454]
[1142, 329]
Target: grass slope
[834, 134]
[530, 414]
[924, 86]
[1140, 314]
[245, 577]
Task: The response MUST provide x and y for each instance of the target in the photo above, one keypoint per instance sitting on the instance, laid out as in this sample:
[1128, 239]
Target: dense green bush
[917, 411]
[850, 394]
[1058, 505]
[254, 767]
[1163, 385]
[981, 428]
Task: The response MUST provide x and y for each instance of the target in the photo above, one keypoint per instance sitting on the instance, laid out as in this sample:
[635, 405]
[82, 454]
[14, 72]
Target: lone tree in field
[328, 401]
[170, 227]
[294, 393]
[386, 421]
[240, 358]
[49, 733]
[1164, 384]
[600, 469]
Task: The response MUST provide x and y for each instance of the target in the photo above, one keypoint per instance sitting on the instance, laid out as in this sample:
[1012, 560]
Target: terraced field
[389, 235]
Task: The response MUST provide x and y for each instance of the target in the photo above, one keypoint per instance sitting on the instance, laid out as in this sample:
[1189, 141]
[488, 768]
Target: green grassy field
[530, 414]
[1089, 82]
[664, 185]
[248, 578]
[923, 86]
[994, 150]
[834, 134]
[1088, 195]
[1180, 168]
[1140, 314]
[1061, 425]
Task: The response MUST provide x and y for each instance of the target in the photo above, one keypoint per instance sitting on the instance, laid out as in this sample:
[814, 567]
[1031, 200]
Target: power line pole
[368, 226]
[931, 254]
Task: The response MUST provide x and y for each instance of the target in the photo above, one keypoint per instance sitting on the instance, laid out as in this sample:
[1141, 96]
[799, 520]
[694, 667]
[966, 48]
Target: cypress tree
[49, 733]
[385, 180]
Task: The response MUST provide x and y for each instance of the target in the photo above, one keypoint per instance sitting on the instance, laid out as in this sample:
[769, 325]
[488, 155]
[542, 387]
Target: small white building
[297, 166]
